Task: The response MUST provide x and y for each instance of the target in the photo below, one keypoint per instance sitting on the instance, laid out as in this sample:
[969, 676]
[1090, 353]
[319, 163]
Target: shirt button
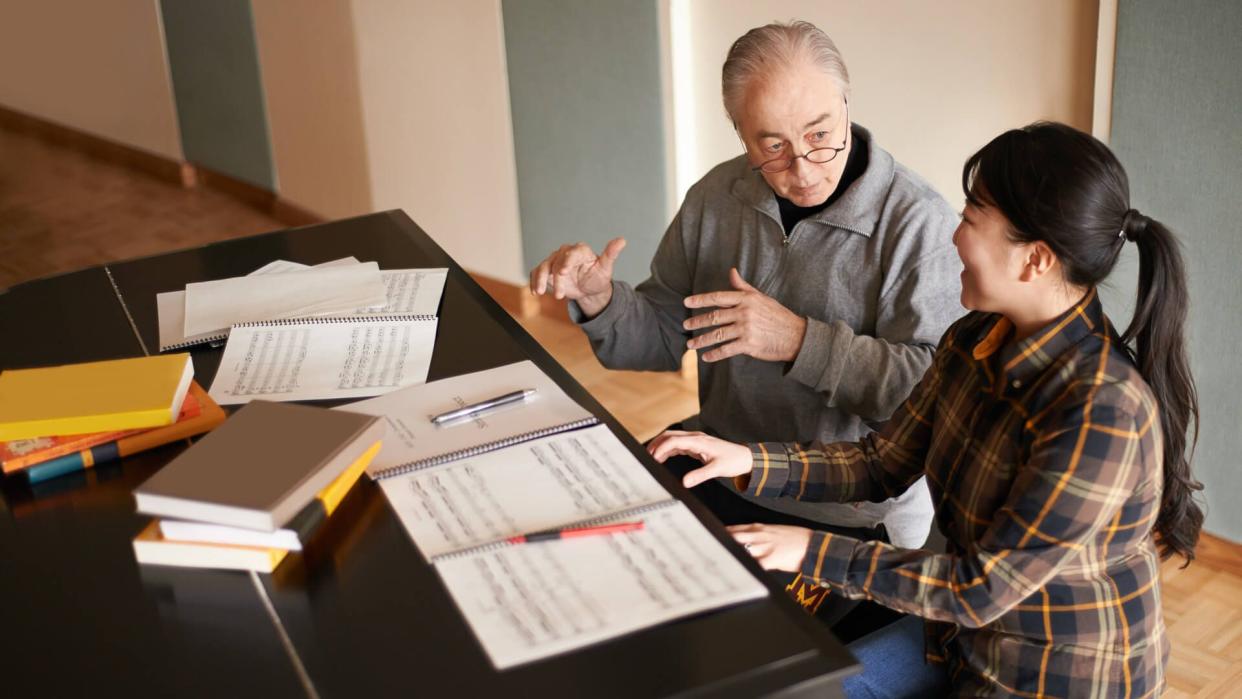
[1017, 383]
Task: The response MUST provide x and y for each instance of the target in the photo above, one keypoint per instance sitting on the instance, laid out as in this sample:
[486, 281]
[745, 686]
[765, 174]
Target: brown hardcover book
[261, 466]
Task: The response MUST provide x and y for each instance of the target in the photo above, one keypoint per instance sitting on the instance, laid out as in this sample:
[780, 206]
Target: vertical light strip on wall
[685, 140]
[1105, 57]
[176, 123]
[671, 198]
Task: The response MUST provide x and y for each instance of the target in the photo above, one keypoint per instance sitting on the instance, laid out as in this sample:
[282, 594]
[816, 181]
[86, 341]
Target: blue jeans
[893, 665]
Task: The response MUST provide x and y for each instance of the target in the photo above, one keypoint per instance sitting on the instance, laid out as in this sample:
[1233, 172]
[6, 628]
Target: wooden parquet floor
[60, 211]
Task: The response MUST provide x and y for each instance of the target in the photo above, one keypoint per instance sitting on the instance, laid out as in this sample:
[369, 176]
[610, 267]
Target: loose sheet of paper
[531, 601]
[550, 482]
[314, 360]
[214, 306]
[170, 306]
[412, 436]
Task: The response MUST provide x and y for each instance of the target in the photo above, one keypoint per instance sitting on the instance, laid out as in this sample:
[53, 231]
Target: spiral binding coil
[592, 522]
[334, 320]
[194, 343]
[284, 322]
[482, 448]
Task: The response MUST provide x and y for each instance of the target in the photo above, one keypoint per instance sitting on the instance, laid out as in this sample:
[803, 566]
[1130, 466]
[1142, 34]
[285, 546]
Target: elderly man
[813, 274]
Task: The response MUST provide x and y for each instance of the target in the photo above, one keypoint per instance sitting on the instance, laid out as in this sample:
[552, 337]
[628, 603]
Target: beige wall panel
[439, 138]
[934, 81]
[98, 67]
[309, 62]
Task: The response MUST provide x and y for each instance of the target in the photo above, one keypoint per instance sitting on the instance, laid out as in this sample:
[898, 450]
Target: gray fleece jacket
[876, 276]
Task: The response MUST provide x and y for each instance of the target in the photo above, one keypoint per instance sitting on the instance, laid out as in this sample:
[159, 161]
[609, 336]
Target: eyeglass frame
[807, 155]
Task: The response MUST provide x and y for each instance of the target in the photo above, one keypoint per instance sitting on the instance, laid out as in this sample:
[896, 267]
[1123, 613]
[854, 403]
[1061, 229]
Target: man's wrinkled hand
[744, 321]
[576, 273]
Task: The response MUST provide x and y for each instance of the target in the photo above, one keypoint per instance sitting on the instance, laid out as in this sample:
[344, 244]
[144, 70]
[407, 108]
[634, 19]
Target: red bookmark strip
[576, 532]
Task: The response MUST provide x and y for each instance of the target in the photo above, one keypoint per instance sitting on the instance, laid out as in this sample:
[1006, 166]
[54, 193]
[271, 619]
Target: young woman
[1054, 448]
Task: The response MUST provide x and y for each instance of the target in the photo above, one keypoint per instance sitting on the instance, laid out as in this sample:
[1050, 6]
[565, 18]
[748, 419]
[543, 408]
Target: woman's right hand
[720, 458]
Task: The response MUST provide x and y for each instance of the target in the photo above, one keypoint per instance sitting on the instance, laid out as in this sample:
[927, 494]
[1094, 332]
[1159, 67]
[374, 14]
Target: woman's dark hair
[1058, 185]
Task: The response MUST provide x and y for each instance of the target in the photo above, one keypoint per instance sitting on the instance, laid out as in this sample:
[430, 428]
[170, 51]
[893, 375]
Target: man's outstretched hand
[576, 273]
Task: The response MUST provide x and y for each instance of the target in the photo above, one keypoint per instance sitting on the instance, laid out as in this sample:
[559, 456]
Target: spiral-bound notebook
[415, 442]
[529, 601]
[324, 358]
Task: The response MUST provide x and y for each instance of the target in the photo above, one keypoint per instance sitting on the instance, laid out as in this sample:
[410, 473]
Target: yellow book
[113, 395]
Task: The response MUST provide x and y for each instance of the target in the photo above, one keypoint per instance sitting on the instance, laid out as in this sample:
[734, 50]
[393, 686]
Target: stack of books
[259, 486]
[63, 419]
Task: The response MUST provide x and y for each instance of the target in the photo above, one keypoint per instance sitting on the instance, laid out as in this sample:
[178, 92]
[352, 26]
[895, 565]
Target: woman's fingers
[720, 458]
[775, 546]
[702, 475]
[663, 446]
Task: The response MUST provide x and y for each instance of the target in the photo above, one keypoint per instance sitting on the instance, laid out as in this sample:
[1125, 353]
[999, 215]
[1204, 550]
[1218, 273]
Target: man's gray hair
[775, 46]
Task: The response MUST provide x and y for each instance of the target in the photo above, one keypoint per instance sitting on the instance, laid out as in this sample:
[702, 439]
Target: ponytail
[1157, 338]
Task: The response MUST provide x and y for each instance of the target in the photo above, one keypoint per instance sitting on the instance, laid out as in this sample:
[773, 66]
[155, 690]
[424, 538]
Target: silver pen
[479, 407]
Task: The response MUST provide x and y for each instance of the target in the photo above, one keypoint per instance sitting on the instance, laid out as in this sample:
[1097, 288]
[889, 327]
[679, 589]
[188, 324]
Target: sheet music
[214, 306]
[315, 359]
[541, 484]
[531, 601]
[412, 436]
[410, 292]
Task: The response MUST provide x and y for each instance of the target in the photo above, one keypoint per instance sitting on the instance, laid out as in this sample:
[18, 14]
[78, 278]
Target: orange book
[23, 453]
[210, 416]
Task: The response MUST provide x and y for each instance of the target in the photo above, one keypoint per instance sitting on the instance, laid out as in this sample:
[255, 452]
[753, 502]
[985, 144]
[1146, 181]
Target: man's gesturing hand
[576, 273]
[745, 321]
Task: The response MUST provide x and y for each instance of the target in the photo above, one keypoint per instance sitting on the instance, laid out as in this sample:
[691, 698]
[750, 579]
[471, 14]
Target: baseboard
[255, 197]
[170, 170]
[157, 166]
[249, 194]
[291, 214]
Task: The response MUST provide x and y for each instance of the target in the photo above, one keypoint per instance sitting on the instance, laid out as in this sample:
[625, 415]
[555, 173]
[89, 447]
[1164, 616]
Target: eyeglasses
[819, 156]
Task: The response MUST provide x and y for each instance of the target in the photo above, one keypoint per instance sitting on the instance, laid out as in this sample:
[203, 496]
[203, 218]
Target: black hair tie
[1132, 225]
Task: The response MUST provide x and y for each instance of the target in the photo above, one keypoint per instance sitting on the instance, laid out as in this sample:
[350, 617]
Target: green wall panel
[214, 62]
[588, 125]
[1177, 127]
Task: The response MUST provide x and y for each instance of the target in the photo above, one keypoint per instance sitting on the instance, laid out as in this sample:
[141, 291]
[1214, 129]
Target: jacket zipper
[786, 238]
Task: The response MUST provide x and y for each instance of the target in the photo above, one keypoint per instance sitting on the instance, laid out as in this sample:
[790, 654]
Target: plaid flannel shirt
[1044, 461]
